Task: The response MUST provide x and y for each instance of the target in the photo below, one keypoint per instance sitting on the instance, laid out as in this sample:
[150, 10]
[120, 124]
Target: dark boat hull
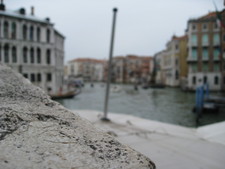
[68, 95]
[157, 86]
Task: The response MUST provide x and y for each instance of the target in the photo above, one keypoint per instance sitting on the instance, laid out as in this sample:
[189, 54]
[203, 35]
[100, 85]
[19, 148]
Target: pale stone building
[175, 64]
[118, 69]
[158, 75]
[33, 47]
[170, 65]
[87, 68]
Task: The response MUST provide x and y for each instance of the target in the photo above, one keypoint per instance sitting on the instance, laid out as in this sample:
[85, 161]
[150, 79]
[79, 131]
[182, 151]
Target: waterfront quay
[158, 123]
[169, 146]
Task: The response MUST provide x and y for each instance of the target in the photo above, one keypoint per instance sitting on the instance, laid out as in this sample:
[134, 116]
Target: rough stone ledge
[36, 132]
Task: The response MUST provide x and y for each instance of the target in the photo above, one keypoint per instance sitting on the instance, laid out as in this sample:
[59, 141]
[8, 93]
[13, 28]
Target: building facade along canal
[33, 47]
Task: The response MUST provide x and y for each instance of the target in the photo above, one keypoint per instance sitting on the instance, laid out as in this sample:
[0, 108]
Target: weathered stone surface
[36, 132]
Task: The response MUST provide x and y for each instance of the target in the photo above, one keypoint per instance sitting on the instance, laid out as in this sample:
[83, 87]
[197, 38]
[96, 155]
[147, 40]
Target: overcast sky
[143, 26]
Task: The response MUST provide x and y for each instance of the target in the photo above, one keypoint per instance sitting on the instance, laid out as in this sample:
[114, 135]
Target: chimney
[32, 10]
[47, 19]
[2, 6]
[22, 11]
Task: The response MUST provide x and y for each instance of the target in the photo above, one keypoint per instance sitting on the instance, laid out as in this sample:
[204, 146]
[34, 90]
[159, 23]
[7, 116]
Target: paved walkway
[169, 146]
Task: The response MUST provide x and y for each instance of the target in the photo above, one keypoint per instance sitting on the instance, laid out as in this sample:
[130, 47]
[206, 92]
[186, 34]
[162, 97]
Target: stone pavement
[169, 146]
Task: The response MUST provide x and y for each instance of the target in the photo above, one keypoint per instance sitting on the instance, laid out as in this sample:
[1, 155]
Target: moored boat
[67, 95]
[157, 86]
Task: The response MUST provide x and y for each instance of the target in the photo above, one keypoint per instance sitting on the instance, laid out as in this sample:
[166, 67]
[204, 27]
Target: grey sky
[143, 26]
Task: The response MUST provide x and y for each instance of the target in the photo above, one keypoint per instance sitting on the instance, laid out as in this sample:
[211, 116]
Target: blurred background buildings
[33, 47]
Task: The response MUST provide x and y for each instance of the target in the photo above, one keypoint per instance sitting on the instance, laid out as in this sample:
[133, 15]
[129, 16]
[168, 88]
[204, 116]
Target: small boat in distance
[157, 86]
[66, 95]
[115, 89]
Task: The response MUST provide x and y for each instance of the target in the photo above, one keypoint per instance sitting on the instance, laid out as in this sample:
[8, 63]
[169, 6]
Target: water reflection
[167, 105]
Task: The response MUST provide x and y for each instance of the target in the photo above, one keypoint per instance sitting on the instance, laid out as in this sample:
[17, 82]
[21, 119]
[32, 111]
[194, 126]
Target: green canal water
[168, 105]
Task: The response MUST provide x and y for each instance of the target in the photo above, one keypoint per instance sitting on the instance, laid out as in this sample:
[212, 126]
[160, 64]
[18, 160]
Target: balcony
[193, 44]
[192, 69]
[205, 59]
[205, 43]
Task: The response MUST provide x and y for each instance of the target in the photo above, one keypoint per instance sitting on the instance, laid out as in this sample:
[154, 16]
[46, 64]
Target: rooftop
[17, 14]
[179, 37]
[211, 16]
[87, 60]
[207, 16]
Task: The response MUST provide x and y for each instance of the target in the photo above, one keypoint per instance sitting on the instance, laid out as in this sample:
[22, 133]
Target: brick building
[130, 69]
[222, 37]
[204, 58]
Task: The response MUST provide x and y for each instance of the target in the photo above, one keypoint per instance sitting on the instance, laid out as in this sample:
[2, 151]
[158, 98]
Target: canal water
[168, 105]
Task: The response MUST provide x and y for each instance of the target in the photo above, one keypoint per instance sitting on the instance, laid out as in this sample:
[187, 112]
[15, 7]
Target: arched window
[216, 53]
[49, 77]
[216, 80]
[0, 53]
[205, 39]
[13, 30]
[24, 55]
[6, 53]
[205, 79]
[38, 34]
[39, 77]
[6, 29]
[38, 55]
[14, 55]
[48, 56]
[216, 39]
[31, 55]
[194, 80]
[31, 33]
[48, 35]
[32, 77]
[194, 39]
[0, 29]
[24, 32]
[176, 74]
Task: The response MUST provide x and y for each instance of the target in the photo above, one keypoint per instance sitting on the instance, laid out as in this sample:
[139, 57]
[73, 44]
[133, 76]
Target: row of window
[205, 39]
[205, 53]
[205, 80]
[28, 33]
[37, 77]
[5, 50]
[205, 26]
[205, 67]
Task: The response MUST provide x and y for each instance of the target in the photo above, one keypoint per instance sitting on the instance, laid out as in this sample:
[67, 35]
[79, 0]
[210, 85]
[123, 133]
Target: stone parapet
[36, 132]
